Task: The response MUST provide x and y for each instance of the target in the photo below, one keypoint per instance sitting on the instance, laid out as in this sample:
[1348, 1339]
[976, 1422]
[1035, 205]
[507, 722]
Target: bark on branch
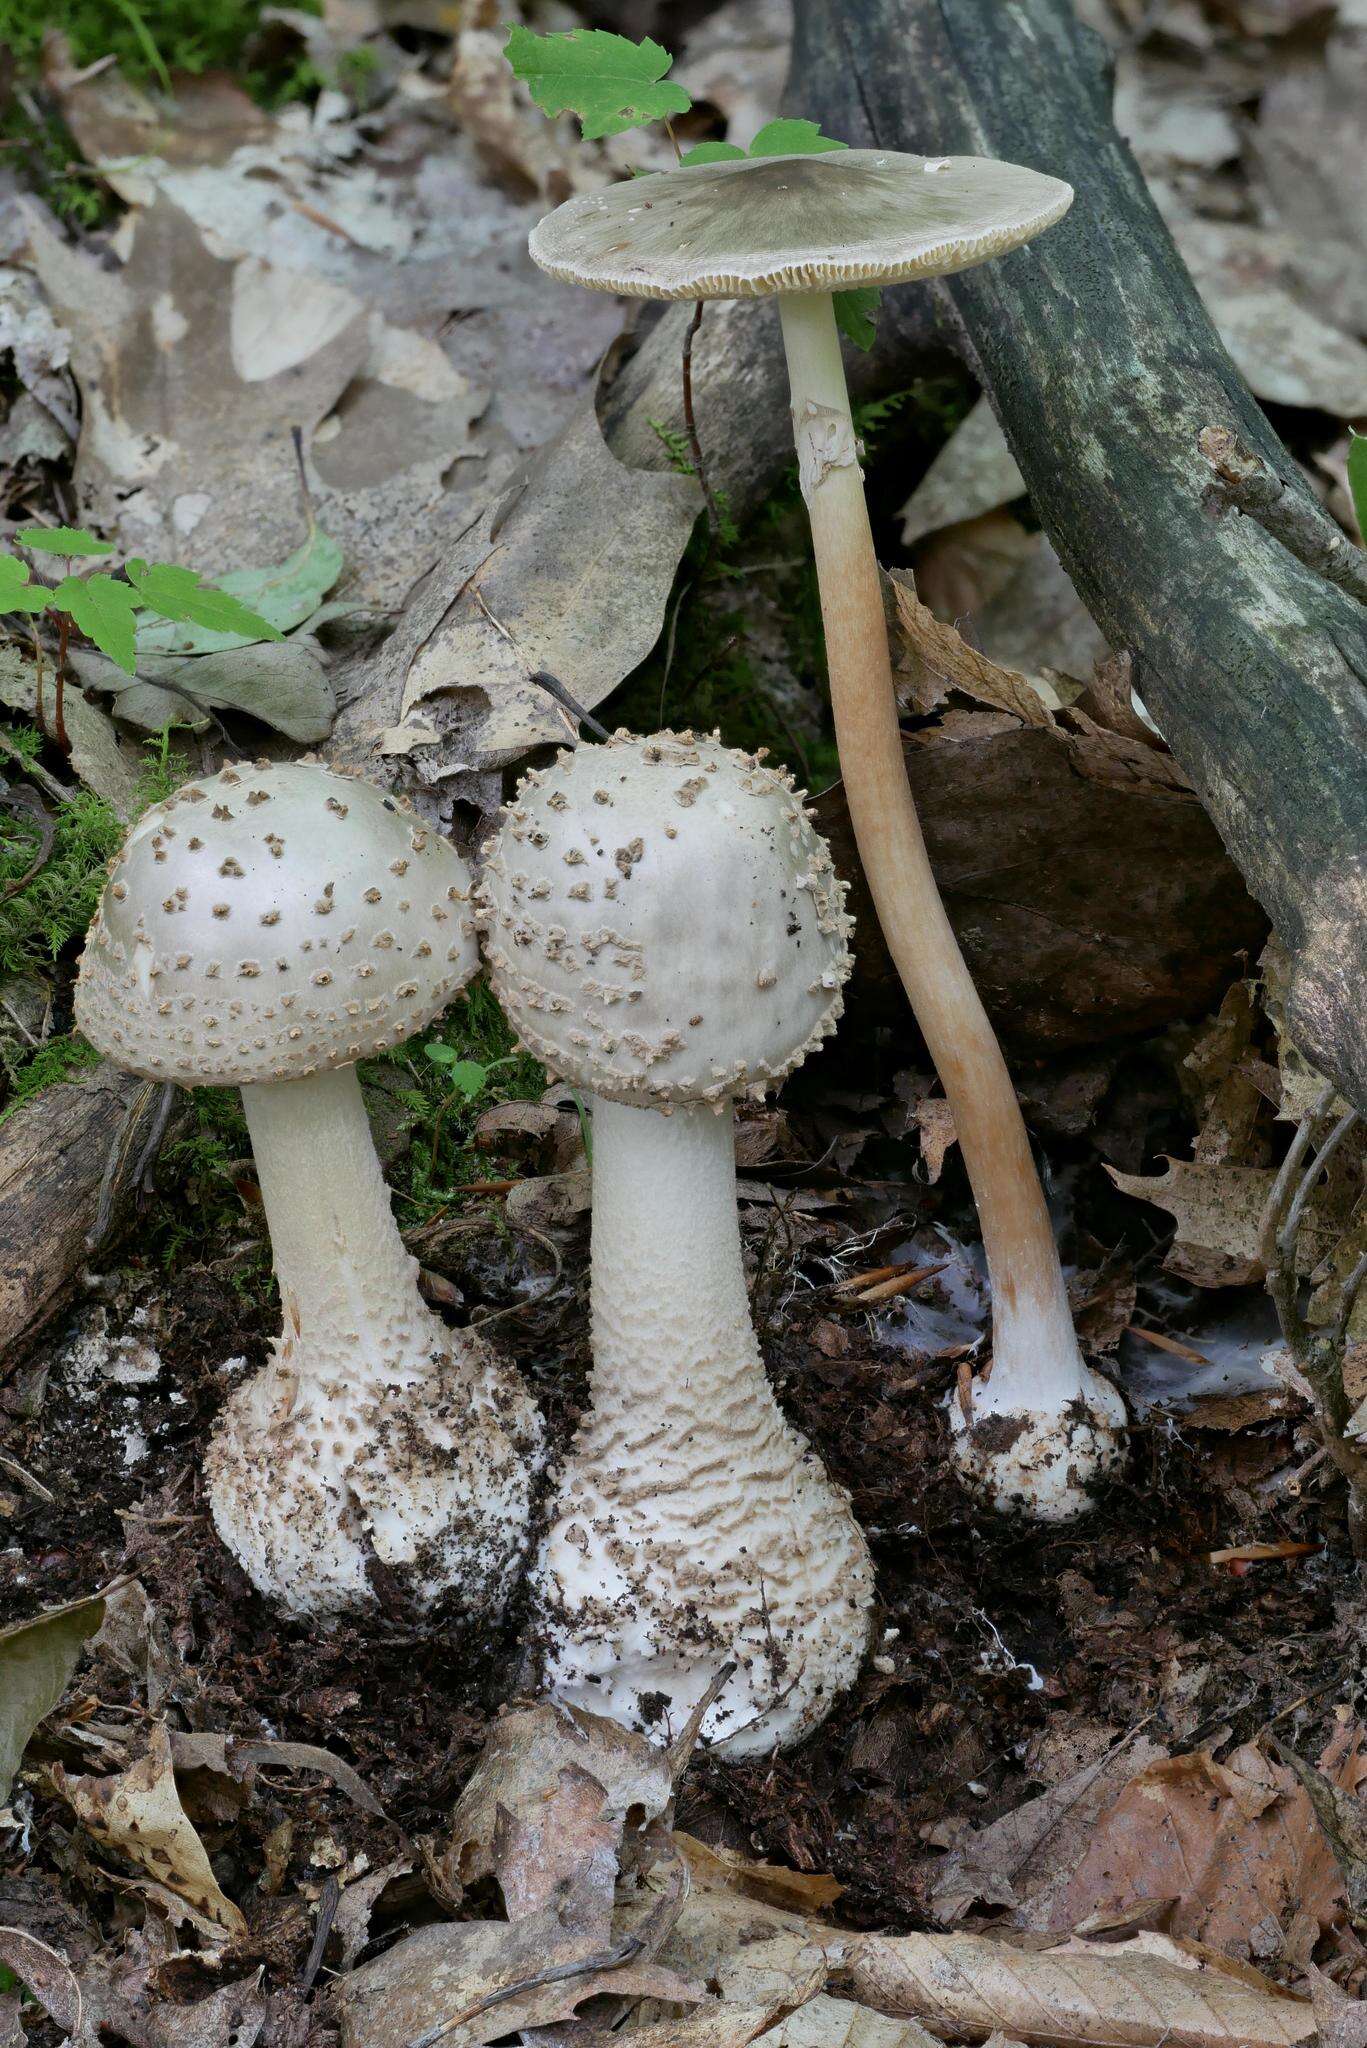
[1104, 368]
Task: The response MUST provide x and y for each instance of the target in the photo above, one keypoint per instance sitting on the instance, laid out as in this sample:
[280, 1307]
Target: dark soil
[1006, 1656]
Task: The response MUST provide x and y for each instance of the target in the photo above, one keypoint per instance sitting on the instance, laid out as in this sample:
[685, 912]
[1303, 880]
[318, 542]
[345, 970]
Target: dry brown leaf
[1022, 1859]
[559, 1855]
[139, 1816]
[487, 1970]
[569, 574]
[948, 659]
[826, 2022]
[526, 1753]
[1234, 1845]
[1284, 351]
[1105, 1996]
[974, 473]
[800, 1891]
[45, 1973]
[194, 372]
[1218, 1210]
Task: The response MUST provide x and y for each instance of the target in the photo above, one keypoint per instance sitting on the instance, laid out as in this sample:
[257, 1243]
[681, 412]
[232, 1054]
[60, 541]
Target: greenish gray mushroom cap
[761, 225]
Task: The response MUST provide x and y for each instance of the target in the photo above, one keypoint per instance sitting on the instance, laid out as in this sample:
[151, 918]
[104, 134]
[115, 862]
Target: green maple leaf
[62, 540]
[710, 153]
[1357, 477]
[178, 594]
[610, 82]
[17, 594]
[793, 138]
[103, 609]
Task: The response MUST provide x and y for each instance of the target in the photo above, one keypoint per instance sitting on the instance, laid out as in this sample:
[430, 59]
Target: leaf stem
[691, 424]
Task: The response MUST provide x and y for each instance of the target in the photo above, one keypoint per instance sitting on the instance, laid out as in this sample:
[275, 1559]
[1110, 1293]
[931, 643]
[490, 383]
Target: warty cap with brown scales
[270, 922]
[662, 920]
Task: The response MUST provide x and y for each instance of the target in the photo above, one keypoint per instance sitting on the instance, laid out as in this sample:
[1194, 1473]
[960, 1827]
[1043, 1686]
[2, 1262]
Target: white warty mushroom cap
[663, 923]
[270, 922]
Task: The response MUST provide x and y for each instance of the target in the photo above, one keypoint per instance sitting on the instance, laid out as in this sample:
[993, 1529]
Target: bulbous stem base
[378, 1447]
[693, 1525]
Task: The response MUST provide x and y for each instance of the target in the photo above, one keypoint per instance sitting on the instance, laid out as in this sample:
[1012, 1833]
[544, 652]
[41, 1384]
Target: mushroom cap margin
[756, 226]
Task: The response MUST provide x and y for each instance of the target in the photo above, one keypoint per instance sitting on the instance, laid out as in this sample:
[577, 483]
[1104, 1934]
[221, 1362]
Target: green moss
[51, 910]
[151, 39]
[29, 1072]
[474, 1044]
[54, 907]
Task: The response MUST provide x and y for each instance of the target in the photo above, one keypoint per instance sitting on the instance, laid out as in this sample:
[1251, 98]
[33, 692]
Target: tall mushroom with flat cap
[802, 228]
[265, 929]
[666, 931]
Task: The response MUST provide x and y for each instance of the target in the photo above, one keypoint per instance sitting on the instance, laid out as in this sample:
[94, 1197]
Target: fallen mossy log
[1104, 368]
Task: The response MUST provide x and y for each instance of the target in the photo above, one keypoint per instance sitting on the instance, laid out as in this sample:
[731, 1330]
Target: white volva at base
[693, 1525]
[375, 1435]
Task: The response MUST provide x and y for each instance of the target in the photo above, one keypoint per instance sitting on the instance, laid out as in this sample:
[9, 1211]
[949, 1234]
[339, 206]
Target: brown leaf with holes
[1234, 1845]
[139, 1816]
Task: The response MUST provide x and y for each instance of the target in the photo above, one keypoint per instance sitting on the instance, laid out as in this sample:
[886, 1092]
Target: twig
[691, 424]
[41, 775]
[59, 685]
[27, 805]
[1319, 1356]
[327, 1913]
[1244, 483]
[553, 687]
[26, 1478]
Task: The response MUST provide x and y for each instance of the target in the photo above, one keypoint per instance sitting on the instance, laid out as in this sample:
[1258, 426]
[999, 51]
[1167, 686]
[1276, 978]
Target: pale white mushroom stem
[1069, 1417]
[685, 1454]
[344, 1274]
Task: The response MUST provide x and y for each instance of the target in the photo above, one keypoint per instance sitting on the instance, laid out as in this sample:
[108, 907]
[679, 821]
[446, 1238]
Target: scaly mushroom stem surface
[686, 1455]
[1043, 1423]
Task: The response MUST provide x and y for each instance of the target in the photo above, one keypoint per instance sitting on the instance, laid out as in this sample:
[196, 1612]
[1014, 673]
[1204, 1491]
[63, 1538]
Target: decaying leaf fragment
[1116, 1994]
[525, 1756]
[569, 574]
[1218, 1209]
[37, 1659]
[196, 373]
[138, 1815]
[1233, 1845]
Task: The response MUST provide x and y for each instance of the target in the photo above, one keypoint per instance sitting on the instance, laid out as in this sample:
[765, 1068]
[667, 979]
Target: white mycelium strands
[265, 929]
[666, 931]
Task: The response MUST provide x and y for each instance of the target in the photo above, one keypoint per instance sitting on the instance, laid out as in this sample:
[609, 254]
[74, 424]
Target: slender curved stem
[1033, 1329]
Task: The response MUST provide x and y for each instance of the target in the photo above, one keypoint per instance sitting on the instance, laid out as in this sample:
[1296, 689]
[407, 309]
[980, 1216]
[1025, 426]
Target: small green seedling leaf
[62, 540]
[1357, 478]
[793, 138]
[17, 594]
[467, 1077]
[610, 82]
[285, 595]
[855, 313]
[103, 609]
[178, 594]
[711, 153]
